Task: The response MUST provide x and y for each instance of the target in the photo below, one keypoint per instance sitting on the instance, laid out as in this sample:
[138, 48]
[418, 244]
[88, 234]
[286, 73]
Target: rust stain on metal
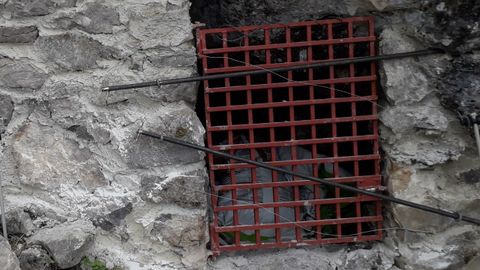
[329, 113]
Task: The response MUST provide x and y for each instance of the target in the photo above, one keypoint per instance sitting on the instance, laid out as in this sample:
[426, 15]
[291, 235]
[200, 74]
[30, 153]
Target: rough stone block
[186, 190]
[473, 264]
[97, 19]
[426, 152]
[70, 51]
[470, 177]
[68, 242]
[27, 8]
[6, 111]
[394, 4]
[155, 27]
[180, 122]
[406, 119]
[47, 158]
[180, 230]
[459, 85]
[21, 74]
[21, 34]
[113, 219]
[19, 222]
[35, 257]
[8, 259]
[403, 80]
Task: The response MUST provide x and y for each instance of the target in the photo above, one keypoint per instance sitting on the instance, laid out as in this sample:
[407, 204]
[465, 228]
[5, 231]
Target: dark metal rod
[454, 215]
[272, 70]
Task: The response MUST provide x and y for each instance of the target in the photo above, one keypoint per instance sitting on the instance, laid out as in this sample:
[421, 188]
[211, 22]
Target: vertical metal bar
[477, 136]
[201, 45]
[2, 208]
[276, 198]
[253, 152]
[293, 152]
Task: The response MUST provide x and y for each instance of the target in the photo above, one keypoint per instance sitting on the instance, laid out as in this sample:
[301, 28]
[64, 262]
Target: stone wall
[429, 157]
[79, 180]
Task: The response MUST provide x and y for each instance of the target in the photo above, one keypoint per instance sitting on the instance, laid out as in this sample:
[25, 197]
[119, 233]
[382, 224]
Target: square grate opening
[321, 122]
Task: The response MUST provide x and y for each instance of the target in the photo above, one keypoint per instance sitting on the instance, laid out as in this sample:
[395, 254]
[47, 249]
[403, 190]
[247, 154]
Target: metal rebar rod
[455, 215]
[477, 137]
[2, 210]
[272, 70]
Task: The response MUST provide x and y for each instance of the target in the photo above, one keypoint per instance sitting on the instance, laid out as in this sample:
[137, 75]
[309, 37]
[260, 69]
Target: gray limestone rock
[113, 219]
[425, 152]
[35, 257]
[403, 80]
[459, 84]
[388, 5]
[8, 260]
[21, 74]
[450, 249]
[6, 111]
[22, 34]
[153, 26]
[180, 122]
[26, 8]
[70, 51]
[405, 119]
[65, 162]
[97, 19]
[19, 222]
[473, 264]
[452, 25]
[186, 190]
[68, 242]
[471, 177]
[180, 230]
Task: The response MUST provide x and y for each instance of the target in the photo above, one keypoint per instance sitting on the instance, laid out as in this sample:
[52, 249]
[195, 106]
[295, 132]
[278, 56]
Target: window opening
[320, 122]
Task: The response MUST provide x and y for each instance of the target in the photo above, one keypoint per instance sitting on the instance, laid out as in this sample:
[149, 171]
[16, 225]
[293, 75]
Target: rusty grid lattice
[320, 120]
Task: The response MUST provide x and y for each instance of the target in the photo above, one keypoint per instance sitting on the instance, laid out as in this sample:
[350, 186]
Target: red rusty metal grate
[317, 121]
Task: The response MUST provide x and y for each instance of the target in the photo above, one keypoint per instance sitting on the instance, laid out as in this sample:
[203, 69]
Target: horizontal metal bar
[315, 83]
[328, 63]
[312, 141]
[273, 46]
[325, 22]
[303, 223]
[272, 205]
[285, 163]
[306, 102]
[360, 180]
[292, 123]
[453, 215]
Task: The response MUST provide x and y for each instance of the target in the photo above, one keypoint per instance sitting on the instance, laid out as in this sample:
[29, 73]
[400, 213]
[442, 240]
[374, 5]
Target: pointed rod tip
[105, 89]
